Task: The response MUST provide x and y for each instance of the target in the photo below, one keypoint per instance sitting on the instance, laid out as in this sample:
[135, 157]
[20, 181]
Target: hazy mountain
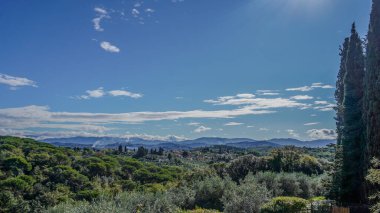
[134, 142]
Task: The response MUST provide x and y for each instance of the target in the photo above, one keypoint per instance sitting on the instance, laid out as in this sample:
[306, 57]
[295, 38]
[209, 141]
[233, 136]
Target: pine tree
[372, 83]
[339, 95]
[352, 139]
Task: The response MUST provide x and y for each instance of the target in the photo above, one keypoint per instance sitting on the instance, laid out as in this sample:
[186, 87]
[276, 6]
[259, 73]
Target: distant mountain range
[175, 144]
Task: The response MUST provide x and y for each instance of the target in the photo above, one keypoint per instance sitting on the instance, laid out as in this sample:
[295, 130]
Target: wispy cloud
[202, 129]
[125, 93]
[311, 124]
[302, 97]
[101, 14]
[135, 12]
[193, 124]
[263, 129]
[257, 103]
[96, 93]
[293, 133]
[322, 133]
[16, 82]
[107, 46]
[312, 87]
[324, 106]
[29, 116]
[233, 124]
[100, 92]
[267, 92]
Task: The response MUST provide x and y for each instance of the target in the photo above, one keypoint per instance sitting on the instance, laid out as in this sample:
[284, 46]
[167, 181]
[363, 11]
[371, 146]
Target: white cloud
[135, 12]
[250, 126]
[301, 89]
[16, 82]
[100, 10]
[258, 103]
[321, 102]
[311, 124]
[245, 95]
[96, 93]
[101, 14]
[125, 93]
[193, 124]
[267, 92]
[293, 133]
[29, 116]
[322, 133]
[302, 97]
[233, 124]
[149, 10]
[322, 86]
[324, 106]
[107, 46]
[312, 87]
[202, 129]
[100, 92]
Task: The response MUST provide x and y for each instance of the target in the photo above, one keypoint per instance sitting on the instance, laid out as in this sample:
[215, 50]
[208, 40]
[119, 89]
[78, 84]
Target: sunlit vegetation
[37, 177]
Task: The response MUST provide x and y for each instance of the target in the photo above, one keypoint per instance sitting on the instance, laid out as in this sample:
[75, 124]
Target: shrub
[247, 197]
[285, 204]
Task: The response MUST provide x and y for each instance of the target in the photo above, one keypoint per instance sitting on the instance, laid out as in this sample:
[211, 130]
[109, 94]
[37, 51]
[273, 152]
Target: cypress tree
[352, 139]
[339, 95]
[339, 92]
[372, 83]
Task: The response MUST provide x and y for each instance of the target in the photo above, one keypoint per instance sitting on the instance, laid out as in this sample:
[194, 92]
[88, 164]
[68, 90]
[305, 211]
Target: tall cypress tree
[352, 139]
[339, 95]
[372, 83]
[339, 92]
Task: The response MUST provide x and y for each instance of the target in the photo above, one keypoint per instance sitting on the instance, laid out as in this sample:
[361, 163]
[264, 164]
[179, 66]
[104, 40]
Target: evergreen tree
[339, 95]
[372, 83]
[353, 143]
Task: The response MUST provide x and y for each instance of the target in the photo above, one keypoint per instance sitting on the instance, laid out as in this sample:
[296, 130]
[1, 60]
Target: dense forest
[38, 177]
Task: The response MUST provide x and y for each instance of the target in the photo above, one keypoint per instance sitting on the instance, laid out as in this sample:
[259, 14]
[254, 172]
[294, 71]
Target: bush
[209, 193]
[247, 197]
[285, 204]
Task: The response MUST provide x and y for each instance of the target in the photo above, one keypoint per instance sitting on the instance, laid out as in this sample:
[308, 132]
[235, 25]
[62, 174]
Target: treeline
[358, 118]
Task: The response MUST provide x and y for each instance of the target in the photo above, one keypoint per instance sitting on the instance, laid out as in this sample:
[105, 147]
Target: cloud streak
[310, 88]
[16, 82]
[35, 116]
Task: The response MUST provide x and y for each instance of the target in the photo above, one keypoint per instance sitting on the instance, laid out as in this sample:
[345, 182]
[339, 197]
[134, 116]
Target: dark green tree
[339, 95]
[372, 83]
[372, 98]
[353, 190]
[141, 152]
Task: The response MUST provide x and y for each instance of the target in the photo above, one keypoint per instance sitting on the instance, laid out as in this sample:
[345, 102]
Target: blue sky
[189, 68]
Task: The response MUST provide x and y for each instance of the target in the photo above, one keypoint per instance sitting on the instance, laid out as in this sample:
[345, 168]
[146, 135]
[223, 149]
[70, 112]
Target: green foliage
[371, 102]
[287, 159]
[353, 144]
[285, 204]
[247, 197]
[36, 175]
[373, 178]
